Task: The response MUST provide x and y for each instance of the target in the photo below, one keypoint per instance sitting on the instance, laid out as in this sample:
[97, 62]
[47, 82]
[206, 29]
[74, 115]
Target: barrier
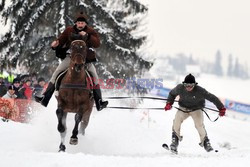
[237, 106]
[229, 104]
[18, 110]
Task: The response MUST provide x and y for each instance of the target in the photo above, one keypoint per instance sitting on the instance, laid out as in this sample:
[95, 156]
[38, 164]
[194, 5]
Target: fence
[18, 110]
[229, 104]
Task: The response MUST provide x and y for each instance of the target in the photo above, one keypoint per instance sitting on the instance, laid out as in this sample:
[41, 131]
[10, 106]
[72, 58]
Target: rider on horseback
[80, 31]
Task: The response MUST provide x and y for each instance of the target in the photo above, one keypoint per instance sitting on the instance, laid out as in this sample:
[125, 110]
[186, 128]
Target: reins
[151, 108]
[137, 108]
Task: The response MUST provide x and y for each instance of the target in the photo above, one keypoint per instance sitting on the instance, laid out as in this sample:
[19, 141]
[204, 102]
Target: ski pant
[197, 117]
[65, 64]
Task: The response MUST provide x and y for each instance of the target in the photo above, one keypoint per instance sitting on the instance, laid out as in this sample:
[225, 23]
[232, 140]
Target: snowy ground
[123, 138]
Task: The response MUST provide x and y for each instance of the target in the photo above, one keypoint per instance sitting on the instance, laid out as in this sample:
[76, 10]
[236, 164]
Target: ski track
[122, 138]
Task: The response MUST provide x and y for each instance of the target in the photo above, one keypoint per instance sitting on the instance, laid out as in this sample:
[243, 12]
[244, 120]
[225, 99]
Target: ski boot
[174, 144]
[207, 145]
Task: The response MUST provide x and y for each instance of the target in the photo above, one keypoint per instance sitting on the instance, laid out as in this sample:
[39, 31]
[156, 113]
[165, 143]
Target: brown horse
[74, 96]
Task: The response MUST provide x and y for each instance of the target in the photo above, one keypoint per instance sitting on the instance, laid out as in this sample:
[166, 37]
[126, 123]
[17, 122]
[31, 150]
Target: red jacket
[28, 91]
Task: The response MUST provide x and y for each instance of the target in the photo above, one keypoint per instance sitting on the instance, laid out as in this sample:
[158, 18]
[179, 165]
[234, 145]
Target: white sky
[200, 27]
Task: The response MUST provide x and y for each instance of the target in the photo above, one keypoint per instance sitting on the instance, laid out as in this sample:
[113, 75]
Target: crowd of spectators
[23, 86]
[19, 91]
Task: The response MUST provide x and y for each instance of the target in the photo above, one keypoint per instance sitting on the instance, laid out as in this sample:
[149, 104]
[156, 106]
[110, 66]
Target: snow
[123, 138]
[129, 138]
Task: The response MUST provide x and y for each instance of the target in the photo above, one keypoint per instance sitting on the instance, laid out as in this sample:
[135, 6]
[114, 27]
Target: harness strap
[209, 117]
[73, 86]
[186, 111]
[195, 110]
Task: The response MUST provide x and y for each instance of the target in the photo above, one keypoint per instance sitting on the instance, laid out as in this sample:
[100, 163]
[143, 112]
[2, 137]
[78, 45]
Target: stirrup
[39, 98]
[102, 104]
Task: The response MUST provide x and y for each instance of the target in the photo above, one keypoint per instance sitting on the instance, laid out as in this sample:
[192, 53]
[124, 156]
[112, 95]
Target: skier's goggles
[190, 85]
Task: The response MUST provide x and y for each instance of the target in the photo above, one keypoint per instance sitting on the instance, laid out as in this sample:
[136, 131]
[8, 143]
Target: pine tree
[35, 24]
[217, 65]
[237, 68]
[230, 66]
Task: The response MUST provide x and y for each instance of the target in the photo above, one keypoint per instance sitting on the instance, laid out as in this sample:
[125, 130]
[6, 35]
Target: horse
[74, 95]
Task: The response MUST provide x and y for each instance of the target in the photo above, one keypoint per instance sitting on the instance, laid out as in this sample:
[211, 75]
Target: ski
[174, 151]
[165, 146]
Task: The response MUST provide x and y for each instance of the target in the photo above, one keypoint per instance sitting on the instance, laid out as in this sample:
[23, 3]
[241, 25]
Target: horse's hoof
[73, 141]
[62, 148]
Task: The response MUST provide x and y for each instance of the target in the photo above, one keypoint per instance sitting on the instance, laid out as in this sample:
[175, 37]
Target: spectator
[17, 86]
[10, 78]
[38, 88]
[26, 90]
[10, 93]
[3, 88]
[33, 79]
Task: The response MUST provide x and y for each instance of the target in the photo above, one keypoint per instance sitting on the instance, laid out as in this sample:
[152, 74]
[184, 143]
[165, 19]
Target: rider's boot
[100, 104]
[45, 97]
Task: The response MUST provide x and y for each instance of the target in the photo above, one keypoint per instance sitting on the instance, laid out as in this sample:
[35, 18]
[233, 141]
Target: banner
[15, 109]
[236, 106]
[229, 104]
[163, 92]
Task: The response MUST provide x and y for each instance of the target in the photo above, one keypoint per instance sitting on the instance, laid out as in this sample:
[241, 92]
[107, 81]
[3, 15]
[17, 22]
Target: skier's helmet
[189, 79]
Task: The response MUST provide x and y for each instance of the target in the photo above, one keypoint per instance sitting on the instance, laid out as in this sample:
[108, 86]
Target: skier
[191, 103]
[81, 31]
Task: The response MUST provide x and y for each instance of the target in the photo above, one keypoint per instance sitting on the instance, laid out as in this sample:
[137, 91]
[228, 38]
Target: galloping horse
[74, 96]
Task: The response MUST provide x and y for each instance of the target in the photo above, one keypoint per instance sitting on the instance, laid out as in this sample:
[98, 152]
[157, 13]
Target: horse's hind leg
[74, 139]
[61, 127]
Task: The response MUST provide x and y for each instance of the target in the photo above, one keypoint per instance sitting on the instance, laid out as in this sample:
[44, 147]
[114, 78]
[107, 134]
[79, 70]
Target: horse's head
[78, 54]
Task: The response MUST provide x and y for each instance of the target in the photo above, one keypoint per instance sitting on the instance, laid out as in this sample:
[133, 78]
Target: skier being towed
[191, 103]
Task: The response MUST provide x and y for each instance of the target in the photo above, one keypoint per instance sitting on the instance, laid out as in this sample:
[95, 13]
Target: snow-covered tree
[217, 69]
[230, 66]
[35, 24]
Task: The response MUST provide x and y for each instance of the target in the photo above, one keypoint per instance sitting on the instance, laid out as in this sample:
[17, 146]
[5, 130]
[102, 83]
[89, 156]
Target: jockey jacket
[70, 33]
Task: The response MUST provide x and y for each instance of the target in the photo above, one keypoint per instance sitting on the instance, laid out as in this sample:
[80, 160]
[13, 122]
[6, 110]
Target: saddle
[63, 73]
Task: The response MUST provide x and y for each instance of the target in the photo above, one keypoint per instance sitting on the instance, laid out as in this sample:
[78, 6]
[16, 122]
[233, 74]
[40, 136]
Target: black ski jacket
[194, 99]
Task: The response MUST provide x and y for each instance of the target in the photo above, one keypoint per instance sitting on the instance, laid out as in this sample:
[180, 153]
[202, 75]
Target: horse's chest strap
[73, 86]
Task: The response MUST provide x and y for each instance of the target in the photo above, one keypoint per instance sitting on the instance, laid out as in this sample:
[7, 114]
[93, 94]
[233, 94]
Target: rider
[81, 30]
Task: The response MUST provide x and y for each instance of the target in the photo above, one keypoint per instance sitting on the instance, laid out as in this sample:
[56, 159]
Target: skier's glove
[222, 112]
[168, 106]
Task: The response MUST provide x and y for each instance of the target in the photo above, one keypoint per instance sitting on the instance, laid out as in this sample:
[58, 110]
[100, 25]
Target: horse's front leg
[74, 139]
[61, 127]
[85, 120]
